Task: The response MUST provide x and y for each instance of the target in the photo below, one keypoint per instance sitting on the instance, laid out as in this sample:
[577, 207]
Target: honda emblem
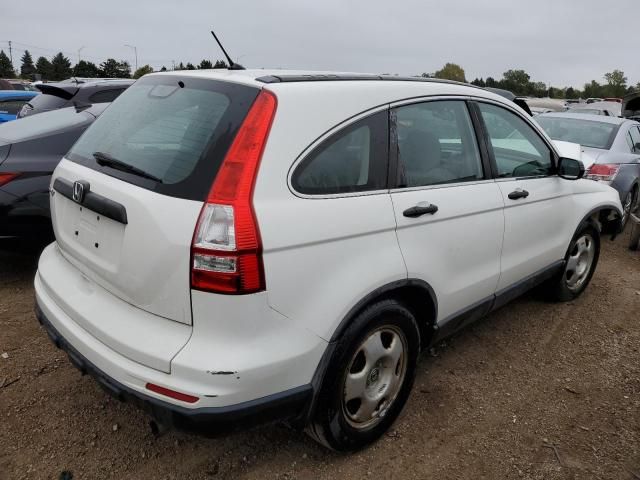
[78, 191]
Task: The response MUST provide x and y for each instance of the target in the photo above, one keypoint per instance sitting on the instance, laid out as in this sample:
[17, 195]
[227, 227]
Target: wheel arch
[606, 218]
[417, 295]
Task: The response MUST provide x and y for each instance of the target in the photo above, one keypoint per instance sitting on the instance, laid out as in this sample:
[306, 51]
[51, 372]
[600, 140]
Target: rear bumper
[290, 404]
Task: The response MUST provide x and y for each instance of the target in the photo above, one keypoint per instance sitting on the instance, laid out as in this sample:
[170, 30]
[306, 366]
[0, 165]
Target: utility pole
[11, 55]
[80, 50]
[135, 50]
[174, 64]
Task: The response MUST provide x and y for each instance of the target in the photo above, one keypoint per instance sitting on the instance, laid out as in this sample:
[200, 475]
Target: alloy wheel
[374, 378]
[579, 262]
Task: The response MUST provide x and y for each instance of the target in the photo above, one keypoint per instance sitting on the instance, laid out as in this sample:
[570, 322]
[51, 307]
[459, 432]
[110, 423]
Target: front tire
[369, 378]
[581, 261]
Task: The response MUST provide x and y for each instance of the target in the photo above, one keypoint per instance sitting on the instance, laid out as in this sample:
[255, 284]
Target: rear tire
[628, 206]
[369, 378]
[581, 261]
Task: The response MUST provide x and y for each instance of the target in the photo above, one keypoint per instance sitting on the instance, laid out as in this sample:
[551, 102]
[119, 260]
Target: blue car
[11, 101]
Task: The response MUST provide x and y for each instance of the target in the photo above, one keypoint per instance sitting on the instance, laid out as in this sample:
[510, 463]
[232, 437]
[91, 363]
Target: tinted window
[11, 106]
[517, 148]
[436, 144]
[45, 102]
[177, 129]
[105, 96]
[587, 133]
[353, 160]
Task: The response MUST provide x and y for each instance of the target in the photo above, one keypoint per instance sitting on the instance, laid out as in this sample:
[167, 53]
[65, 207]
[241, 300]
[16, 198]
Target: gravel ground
[491, 403]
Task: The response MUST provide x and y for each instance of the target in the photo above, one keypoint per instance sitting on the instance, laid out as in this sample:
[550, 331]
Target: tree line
[519, 82]
[59, 68]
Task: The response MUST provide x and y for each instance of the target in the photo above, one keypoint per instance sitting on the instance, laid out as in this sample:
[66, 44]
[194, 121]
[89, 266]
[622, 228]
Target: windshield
[587, 133]
[166, 128]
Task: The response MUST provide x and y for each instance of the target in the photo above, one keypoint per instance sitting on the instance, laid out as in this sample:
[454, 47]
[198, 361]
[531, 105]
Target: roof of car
[102, 81]
[17, 93]
[259, 77]
[586, 116]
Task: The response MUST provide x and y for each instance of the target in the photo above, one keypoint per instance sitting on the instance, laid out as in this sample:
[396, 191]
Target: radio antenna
[232, 65]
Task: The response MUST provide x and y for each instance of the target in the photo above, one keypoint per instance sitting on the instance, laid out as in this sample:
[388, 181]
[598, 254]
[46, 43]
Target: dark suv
[68, 94]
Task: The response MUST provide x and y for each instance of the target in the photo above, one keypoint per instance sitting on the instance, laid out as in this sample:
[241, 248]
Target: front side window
[436, 144]
[517, 148]
[352, 160]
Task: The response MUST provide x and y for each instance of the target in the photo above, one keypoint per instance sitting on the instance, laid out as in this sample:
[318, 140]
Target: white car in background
[238, 246]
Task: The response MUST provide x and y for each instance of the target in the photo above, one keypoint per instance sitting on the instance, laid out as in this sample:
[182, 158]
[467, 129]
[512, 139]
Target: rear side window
[11, 106]
[176, 129]
[635, 138]
[106, 96]
[436, 144]
[45, 102]
[352, 160]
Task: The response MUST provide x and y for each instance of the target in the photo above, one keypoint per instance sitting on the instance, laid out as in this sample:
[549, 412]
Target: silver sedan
[610, 150]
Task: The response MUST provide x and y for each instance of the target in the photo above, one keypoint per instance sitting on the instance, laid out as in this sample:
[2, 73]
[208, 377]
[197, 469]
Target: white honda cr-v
[240, 246]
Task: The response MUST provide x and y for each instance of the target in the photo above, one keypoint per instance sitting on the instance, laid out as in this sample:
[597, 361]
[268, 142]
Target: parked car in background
[538, 110]
[611, 150]
[235, 246]
[11, 101]
[520, 101]
[631, 106]
[593, 100]
[18, 84]
[608, 109]
[613, 99]
[30, 149]
[67, 94]
[552, 104]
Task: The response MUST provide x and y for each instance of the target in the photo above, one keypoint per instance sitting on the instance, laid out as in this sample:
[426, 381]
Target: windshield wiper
[107, 160]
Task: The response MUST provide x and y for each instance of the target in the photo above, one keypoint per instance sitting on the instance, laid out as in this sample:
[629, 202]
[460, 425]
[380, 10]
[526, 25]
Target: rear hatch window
[166, 133]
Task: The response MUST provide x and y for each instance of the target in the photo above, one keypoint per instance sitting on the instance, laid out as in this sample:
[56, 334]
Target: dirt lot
[487, 405]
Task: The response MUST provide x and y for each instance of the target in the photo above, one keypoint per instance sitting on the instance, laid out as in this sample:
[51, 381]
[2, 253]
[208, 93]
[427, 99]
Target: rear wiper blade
[107, 160]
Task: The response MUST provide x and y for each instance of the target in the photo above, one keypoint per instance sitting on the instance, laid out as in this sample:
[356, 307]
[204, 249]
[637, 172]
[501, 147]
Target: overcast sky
[562, 42]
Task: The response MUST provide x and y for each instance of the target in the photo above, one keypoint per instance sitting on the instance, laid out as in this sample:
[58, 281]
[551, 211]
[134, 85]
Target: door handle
[518, 193]
[423, 208]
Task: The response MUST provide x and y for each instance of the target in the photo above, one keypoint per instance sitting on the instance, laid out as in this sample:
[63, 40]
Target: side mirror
[570, 169]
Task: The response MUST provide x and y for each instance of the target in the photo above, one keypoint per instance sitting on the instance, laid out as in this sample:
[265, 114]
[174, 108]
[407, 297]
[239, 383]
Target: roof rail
[329, 77]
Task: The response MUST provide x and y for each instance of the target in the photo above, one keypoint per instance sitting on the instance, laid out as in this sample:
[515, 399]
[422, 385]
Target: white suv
[240, 246]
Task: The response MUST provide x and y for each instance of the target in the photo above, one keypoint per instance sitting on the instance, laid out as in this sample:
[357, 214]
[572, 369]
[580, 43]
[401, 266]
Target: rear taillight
[602, 171]
[226, 253]
[7, 177]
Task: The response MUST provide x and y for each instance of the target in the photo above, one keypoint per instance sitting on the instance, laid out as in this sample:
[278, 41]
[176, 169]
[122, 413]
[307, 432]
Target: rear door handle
[423, 208]
[518, 193]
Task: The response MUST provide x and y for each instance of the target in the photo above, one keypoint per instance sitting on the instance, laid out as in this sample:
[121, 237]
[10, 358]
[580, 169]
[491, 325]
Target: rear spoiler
[64, 91]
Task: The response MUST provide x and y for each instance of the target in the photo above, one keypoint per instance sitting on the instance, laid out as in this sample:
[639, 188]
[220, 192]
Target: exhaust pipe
[158, 429]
